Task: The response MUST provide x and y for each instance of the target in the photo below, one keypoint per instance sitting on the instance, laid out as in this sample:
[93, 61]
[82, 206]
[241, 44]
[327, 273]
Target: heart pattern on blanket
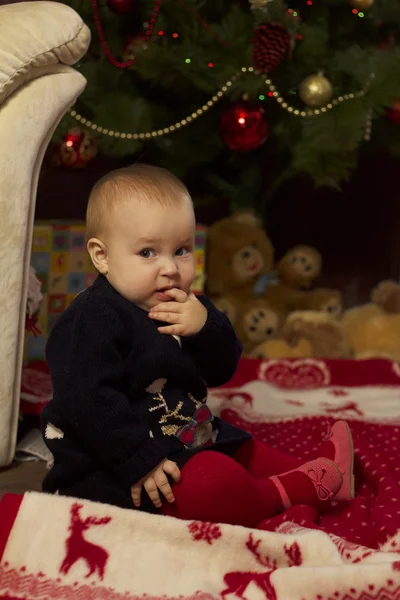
[304, 374]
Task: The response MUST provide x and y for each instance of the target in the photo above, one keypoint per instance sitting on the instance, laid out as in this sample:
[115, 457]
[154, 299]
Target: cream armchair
[38, 42]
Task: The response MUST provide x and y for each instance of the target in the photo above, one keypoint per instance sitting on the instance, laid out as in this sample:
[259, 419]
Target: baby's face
[150, 249]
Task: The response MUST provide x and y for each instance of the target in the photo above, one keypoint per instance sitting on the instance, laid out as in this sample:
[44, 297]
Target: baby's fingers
[151, 488]
[136, 492]
[172, 330]
[164, 486]
[172, 469]
[166, 317]
[177, 294]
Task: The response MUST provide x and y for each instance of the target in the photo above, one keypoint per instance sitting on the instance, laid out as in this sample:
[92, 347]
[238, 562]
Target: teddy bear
[373, 330]
[299, 267]
[387, 295]
[254, 319]
[289, 299]
[239, 252]
[280, 348]
[232, 303]
[307, 334]
[242, 283]
[322, 300]
[322, 330]
[258, 322]
[295, 273]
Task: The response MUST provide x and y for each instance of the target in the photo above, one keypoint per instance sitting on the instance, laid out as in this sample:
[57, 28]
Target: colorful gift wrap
[63, 266]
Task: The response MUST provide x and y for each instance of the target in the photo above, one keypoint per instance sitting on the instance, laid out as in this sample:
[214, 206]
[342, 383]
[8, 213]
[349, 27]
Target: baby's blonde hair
[141, 182]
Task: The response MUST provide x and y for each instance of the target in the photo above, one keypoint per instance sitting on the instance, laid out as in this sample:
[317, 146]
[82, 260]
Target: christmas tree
[235, 97]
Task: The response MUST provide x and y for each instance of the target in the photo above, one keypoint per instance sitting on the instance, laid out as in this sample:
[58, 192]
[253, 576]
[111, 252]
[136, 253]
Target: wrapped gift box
[64, 268]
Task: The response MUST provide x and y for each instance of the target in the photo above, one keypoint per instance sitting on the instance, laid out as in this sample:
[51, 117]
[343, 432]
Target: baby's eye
[181, 251]
[146, 253]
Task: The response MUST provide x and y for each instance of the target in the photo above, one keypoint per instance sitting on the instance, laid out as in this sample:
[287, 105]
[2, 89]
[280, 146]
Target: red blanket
[289, 403]
[61, 548]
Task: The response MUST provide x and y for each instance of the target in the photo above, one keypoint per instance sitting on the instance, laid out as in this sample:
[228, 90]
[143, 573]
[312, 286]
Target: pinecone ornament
[271, 44]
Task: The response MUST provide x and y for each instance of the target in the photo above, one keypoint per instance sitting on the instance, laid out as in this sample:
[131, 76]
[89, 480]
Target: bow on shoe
[323, 492]
[186, 433]
[328, 433]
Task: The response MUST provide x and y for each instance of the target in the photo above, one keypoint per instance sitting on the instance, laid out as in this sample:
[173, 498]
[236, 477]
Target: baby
[131, 360]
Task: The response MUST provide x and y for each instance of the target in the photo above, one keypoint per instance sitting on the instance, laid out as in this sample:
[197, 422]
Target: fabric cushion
[32, 40]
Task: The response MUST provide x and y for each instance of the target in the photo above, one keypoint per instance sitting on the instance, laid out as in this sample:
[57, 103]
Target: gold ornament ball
[361, 4]
[315, 91]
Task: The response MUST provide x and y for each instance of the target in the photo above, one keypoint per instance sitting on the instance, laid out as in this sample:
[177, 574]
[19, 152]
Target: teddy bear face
[300, 266]
[260, 323]
[238, 253]
[247, 262]
[324, 300]
[304, 263]
[333, 307]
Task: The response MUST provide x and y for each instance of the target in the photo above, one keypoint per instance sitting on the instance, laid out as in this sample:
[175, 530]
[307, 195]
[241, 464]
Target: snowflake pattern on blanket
[350, 552]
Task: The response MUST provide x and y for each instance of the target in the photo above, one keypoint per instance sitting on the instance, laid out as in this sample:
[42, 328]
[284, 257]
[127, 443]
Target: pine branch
[171, 78]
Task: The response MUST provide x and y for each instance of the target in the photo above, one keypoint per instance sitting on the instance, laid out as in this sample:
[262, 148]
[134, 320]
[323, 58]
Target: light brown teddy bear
[296, 272]
[324, 333]
[373, 330]
[232, 304]
[387, 295]
[254, 319]
[281, 349]
[299, 267]
[239, 252]
[307, 334]
[322, 300]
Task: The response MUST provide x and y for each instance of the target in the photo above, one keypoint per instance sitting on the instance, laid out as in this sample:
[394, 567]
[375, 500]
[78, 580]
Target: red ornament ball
[244, 126]
[121, 7]
[76, 150]
[394, 113]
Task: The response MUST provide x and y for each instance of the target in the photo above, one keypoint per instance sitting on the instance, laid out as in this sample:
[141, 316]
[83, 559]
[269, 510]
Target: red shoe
[339, 435]
[324, 475]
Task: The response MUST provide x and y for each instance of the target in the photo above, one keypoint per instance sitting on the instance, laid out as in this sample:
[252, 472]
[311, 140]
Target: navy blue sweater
[122, 389]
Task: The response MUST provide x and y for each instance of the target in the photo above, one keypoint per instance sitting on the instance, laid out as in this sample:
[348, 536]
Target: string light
[210, 64]
[213, 100]
[261, 97]
[161, 32]
[175, 35]
[188, 61]
[368, 126]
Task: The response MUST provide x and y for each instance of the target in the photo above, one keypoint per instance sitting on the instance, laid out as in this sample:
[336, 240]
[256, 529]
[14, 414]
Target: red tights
[237, 490]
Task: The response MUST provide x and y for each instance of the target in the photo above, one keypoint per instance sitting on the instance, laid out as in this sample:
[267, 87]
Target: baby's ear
[98, 253]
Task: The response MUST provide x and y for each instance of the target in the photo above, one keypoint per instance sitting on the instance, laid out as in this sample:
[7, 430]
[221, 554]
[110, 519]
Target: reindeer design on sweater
[77, 547]
[238, 581]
